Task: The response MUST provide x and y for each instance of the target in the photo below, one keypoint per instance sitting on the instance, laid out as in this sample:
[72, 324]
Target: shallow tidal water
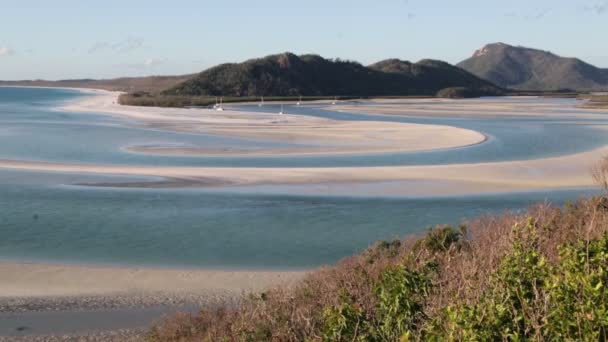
[43, 217]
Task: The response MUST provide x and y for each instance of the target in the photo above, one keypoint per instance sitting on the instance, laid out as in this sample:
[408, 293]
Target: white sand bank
[44, 280]
[316, 135]
[496, 107]
[548, 173]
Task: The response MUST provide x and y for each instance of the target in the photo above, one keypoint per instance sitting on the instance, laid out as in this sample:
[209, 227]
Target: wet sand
[36, 280]
[90, 299]
[500, 107]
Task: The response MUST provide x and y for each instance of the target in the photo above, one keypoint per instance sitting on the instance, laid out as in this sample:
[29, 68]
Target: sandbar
[301, 134]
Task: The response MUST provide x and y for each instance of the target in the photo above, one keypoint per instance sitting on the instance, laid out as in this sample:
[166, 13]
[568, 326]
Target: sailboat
[220, 107]
[281, 112]
[216, 104]
[335, 101]
[299, 102]
[261, 102]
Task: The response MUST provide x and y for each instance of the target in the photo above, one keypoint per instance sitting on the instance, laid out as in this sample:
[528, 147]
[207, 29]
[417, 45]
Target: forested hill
[311, 75]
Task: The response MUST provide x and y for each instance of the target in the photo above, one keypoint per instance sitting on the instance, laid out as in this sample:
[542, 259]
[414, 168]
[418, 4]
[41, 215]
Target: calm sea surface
[44, 218]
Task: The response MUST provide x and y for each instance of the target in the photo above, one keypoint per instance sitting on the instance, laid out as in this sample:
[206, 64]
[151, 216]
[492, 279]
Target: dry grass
[466, 259]
[597, 101]
[600, 174]
[295, 314]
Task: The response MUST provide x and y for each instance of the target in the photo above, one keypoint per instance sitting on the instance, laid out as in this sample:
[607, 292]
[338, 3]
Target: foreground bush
[539, 275]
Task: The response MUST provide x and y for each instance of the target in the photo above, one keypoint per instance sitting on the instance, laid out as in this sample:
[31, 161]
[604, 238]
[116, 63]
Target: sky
[63, 39]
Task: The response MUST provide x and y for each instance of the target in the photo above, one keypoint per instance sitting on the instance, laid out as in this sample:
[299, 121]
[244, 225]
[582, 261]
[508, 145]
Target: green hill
[311, 75]
[530, 69]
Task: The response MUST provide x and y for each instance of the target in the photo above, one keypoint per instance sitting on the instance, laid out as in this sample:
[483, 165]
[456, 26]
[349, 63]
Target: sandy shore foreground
[54, 302]
[22, 285]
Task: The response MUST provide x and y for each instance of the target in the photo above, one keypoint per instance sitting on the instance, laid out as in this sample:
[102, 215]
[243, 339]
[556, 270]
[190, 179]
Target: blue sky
[99, 39]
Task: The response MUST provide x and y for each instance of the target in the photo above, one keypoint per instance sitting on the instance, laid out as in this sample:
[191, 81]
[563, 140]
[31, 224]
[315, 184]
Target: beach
[65, 280]
[455, 108]
[29, 292]
[311, 135]
[569, 171]
[101, 291]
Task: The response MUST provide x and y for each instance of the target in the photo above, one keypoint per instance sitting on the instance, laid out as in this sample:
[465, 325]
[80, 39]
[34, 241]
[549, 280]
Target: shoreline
[85, 299]
[52, 301]
[308, 135]
[31, 287]
[566, 171]
[460, 108]
[34, 286]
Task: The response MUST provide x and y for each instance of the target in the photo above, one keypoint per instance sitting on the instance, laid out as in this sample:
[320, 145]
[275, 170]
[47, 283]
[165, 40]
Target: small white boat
[261, 102]
[299, 102]
[281, 112]
[335, 101]
[219, 107]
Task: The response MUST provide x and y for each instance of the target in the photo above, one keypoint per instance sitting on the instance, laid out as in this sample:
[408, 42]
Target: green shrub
[345, 322]
[401, 297]
[578, 293]
[441, 239]
[531, 299]
[538, 276]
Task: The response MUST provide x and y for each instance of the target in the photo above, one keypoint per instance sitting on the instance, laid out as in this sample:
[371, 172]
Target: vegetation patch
[312, 75]
[597, 101]
[146, 99]
[538, 275]
[459, 93]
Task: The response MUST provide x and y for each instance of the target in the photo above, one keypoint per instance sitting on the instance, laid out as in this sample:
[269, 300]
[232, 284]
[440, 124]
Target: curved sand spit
[558, 172]
[303, 134]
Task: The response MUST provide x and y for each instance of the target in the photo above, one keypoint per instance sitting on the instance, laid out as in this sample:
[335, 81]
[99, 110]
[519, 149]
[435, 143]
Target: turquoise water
[194, 228]
[44, 218]
[73, 137]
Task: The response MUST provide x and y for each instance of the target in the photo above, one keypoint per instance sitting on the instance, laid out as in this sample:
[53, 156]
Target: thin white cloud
[130, 44]
[152, 62]
[534, 15]
[98, 46]
[148, 63]
[4, 51]
[541, 14]
[124, 46]
[598, 7]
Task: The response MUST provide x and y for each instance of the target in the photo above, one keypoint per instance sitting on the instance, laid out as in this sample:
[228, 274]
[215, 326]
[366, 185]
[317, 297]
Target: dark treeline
[311, 75]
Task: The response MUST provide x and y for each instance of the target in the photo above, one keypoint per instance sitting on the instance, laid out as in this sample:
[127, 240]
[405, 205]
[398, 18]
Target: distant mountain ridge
[532, 69]
[286, 74]
[311, 75]
[126, 84]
